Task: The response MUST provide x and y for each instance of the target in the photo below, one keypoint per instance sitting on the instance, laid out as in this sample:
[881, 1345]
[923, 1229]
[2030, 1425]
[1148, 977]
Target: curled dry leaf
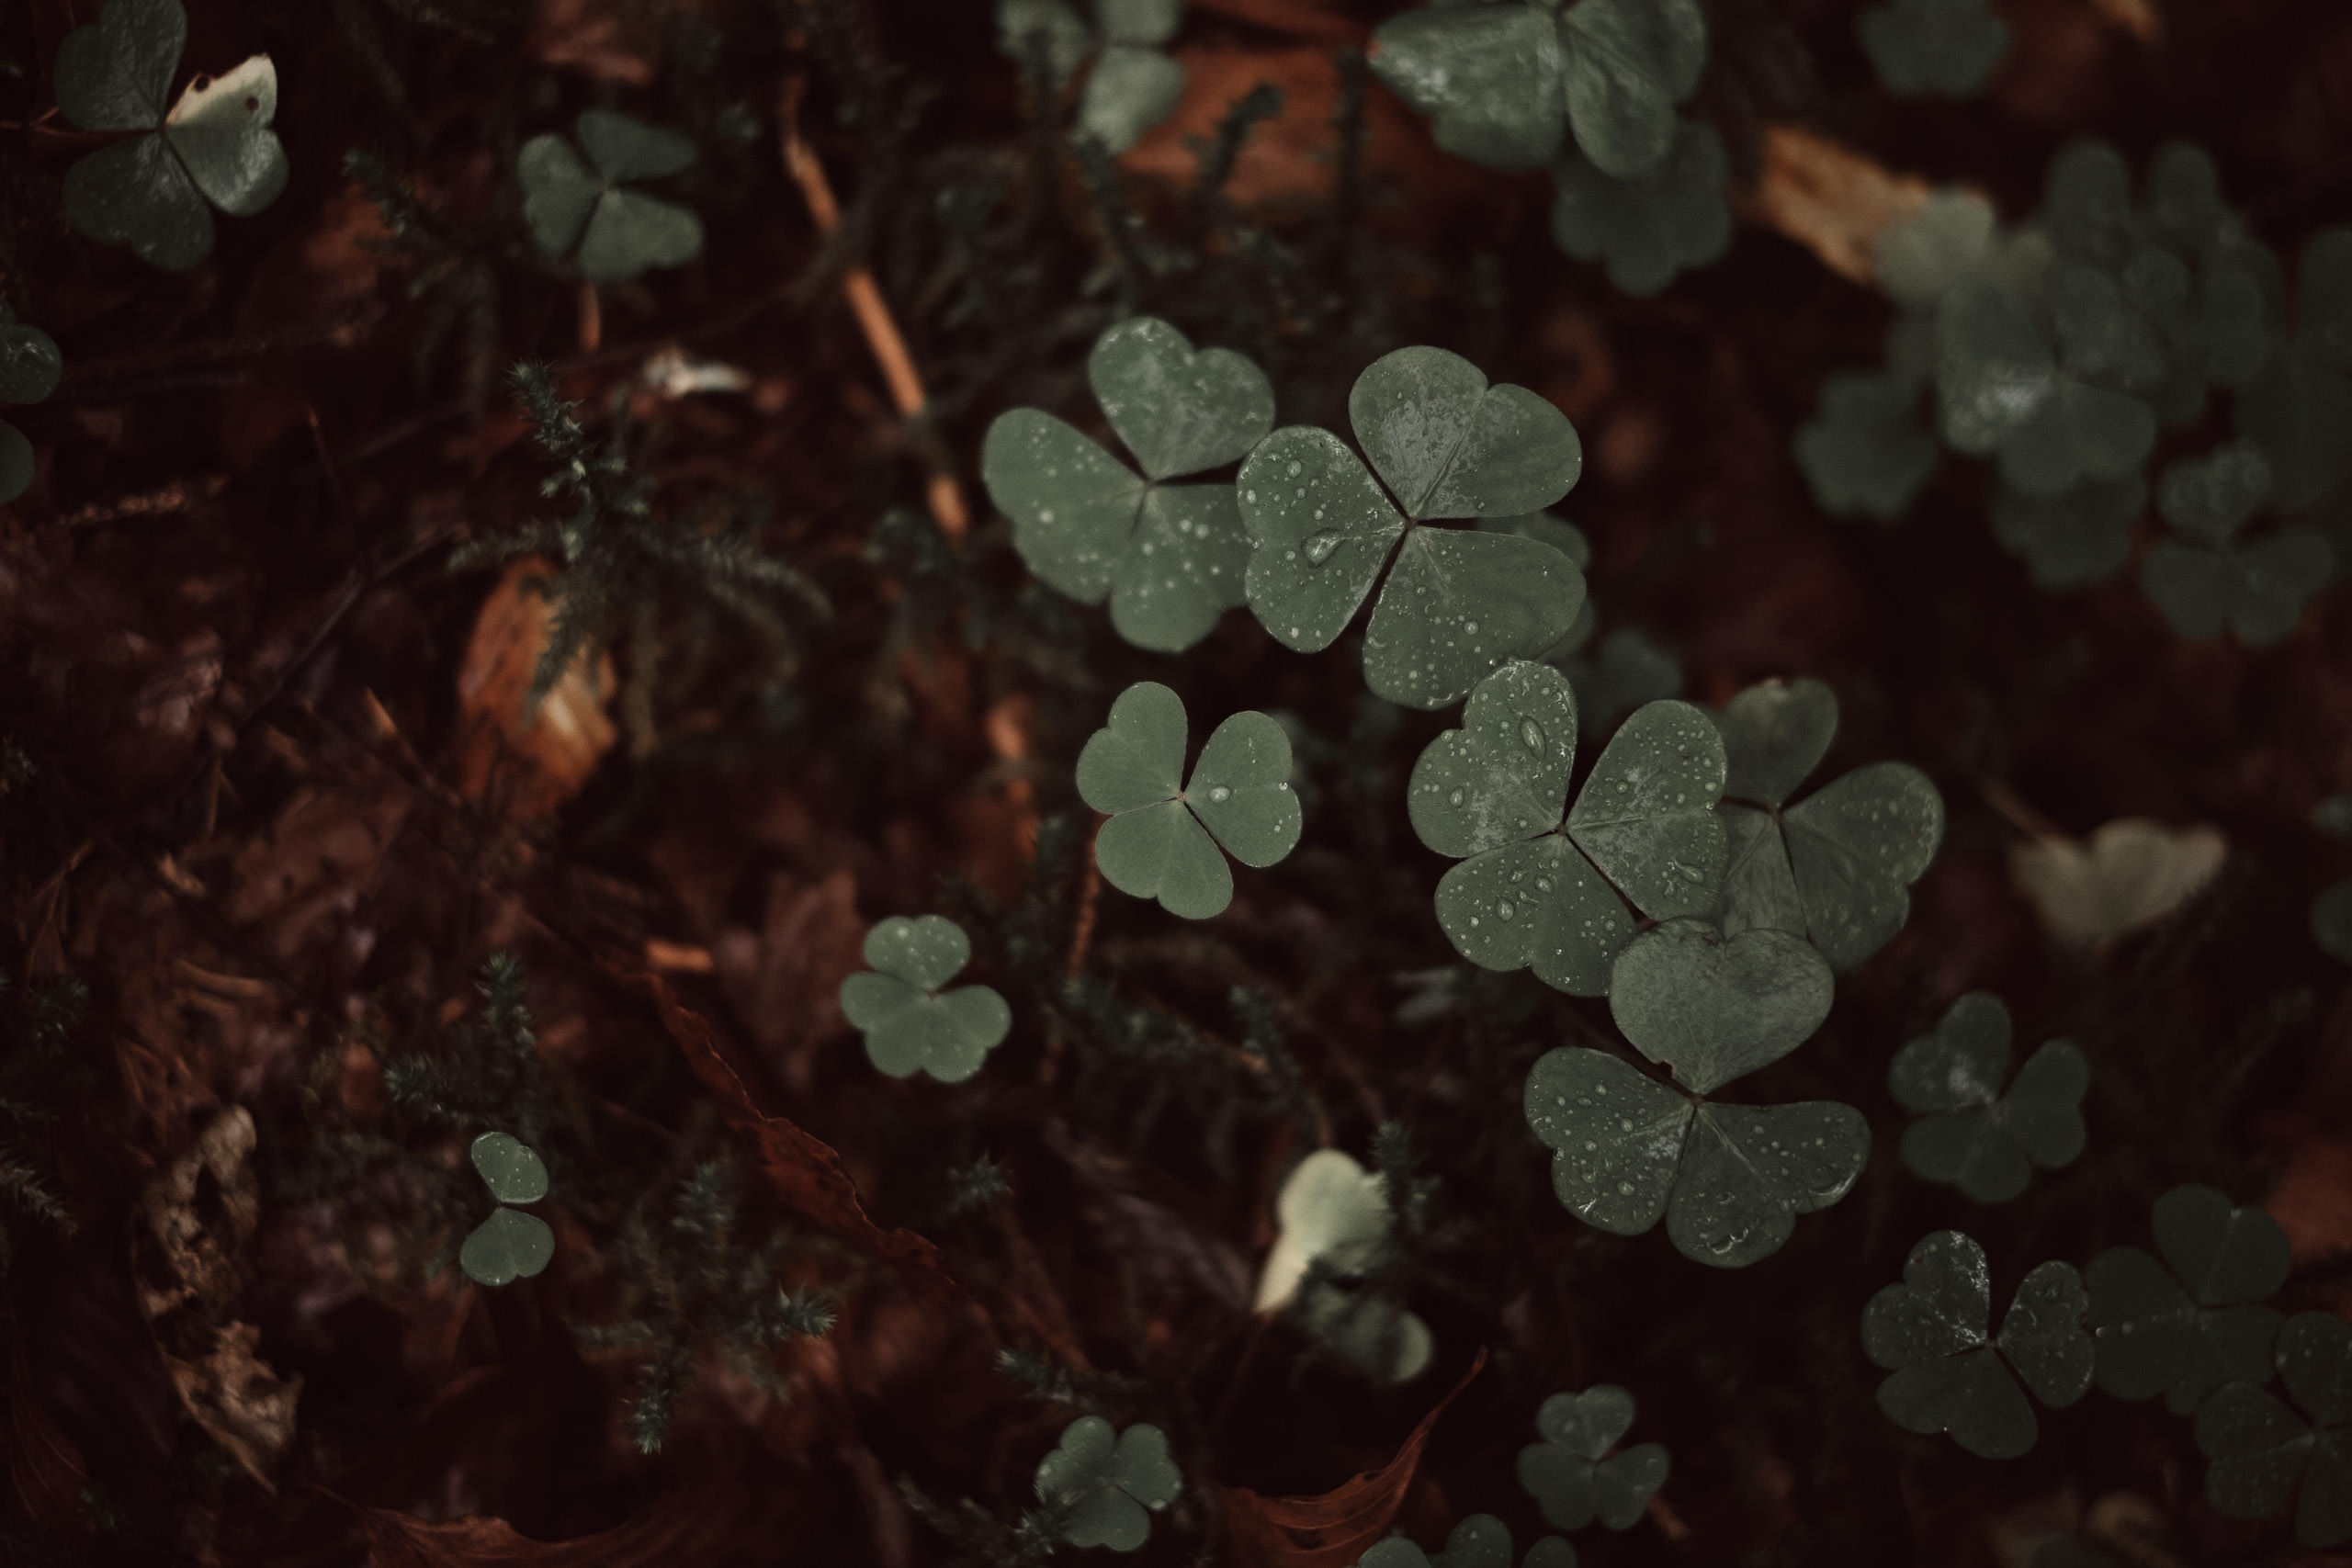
[235, 1397]
[2128, 875]
[1829, 198]
[695, 1524]
[1334, 1530]
[534, 761]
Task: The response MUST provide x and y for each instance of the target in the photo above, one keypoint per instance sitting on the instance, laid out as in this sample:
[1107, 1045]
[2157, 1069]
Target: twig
[1090, 895]
[872, 314]
[592, 320]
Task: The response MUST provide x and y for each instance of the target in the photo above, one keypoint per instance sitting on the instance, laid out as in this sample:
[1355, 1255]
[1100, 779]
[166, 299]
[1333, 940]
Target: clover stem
[592, 320]
[944, 496]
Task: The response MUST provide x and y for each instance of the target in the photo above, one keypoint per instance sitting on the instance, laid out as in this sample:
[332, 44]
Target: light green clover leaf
[1971, 1135]
[214, 145]
[1573, 1475]
[1134, 85]
[620, 232]
[2261, 1450]
[2002, 394]
[2184, 1330]
[1535, 886]
[1163, 836]
[1099, 1487]
[1950, 241]
[1504, 86]
[1837, 866]
[510, 1245]
[1934, 1333]
[1729, 1179]
[1864, 454]
[1365, 1330]
[2075, 537]
[1945, 48]
[1334, 1222]
[911, 1025]
[1648, 229]
[1171, 558]
[1459, 603]
[30, 369]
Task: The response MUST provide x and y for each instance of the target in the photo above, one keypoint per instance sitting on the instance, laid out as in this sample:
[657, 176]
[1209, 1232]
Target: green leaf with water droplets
[1323, 529]
[1180, 410]
[510, 1167]
[1730, 1179]
[1775, 733]
[1186, 564]
[1447, 444]
[910, 1024]
[31, 366]
[1503, 776]
[1759, 890]
[1572, 1473]
[1855, 849]
[1539, 905]
[1158, 843]
[1458, 604]
[1971, 1135]
[1646, 814]
[1072, 504]
[2262, 1452]
[116, 74]
[1488, 77]
[1749, 1171]
[1127, 92]
[1101, 1489]
[1714, 1008]
[1933, 1331]
[508, 1245]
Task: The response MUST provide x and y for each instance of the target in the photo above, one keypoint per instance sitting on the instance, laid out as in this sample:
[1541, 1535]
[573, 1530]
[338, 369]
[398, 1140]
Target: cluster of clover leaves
[1132, 85]
[1099, 1486]
[510, 1245]
[155, 190]
[2189, 1322]
[2060, 349]
[1590, 91]
[30, 369]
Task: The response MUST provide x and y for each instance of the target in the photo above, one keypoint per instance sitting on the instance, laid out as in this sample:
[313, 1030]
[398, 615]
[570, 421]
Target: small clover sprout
[1837, 866]
[1099, 1488]
[1934, 1333]
[1648, 229]
[510, 1245]
[1971, 1135]
[2005, 395]
[1941, 47]
[1335, 1222]
[620, 232]
[1864, 454]
[1506, 85]
[1480, 1541]
[213, 146]
[1538, 888]
[1630, 670]
[1459, 602]
[1134, 85]
[911, 1025]
[1730, 1179]
[30, 369]
[2187, 1325]
[2075, 537]
[2261, 1450]
[1573, 1475]
[1163, 836]
[2211, 581]
[1172, 558]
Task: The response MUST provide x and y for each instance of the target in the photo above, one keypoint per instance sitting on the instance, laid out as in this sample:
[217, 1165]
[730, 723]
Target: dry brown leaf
[805, 1171]
[688, 1527]
[296, 884]
[534, 762]
[2130, 873]
[233, 1393]
[1332, 1531]
[1829, 198]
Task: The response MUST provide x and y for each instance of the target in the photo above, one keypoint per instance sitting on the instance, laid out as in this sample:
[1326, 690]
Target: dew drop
[1220, 794]
[1319, 547]
[1454, 799]
[1505, 909]
[1296, 470]
[1531, 735]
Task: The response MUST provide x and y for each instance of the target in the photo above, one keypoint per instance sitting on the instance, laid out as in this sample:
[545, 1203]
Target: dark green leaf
[2042, 1335]
[1626, 64]
[15, 463]
[1503, 776]
[1856, 848]
[1749, 1171]
[1490, 78]
[1941, 47]
[624, 148]
[116, 74]
[507, 1246]
[1180, 410]
[1775, 733]
[1616, 1138]
[1864, 454]
[511, 1167]
[2257, 1448]
[1646, 814]
[1457, 606]
[2077, 536]
[138, 193]
[1323, 530]
[29, 363]
[1649, 229]
[1538, 904]
[1447, 444]
[1099, 1487]
[2224, 1254]
[1716, 1010]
